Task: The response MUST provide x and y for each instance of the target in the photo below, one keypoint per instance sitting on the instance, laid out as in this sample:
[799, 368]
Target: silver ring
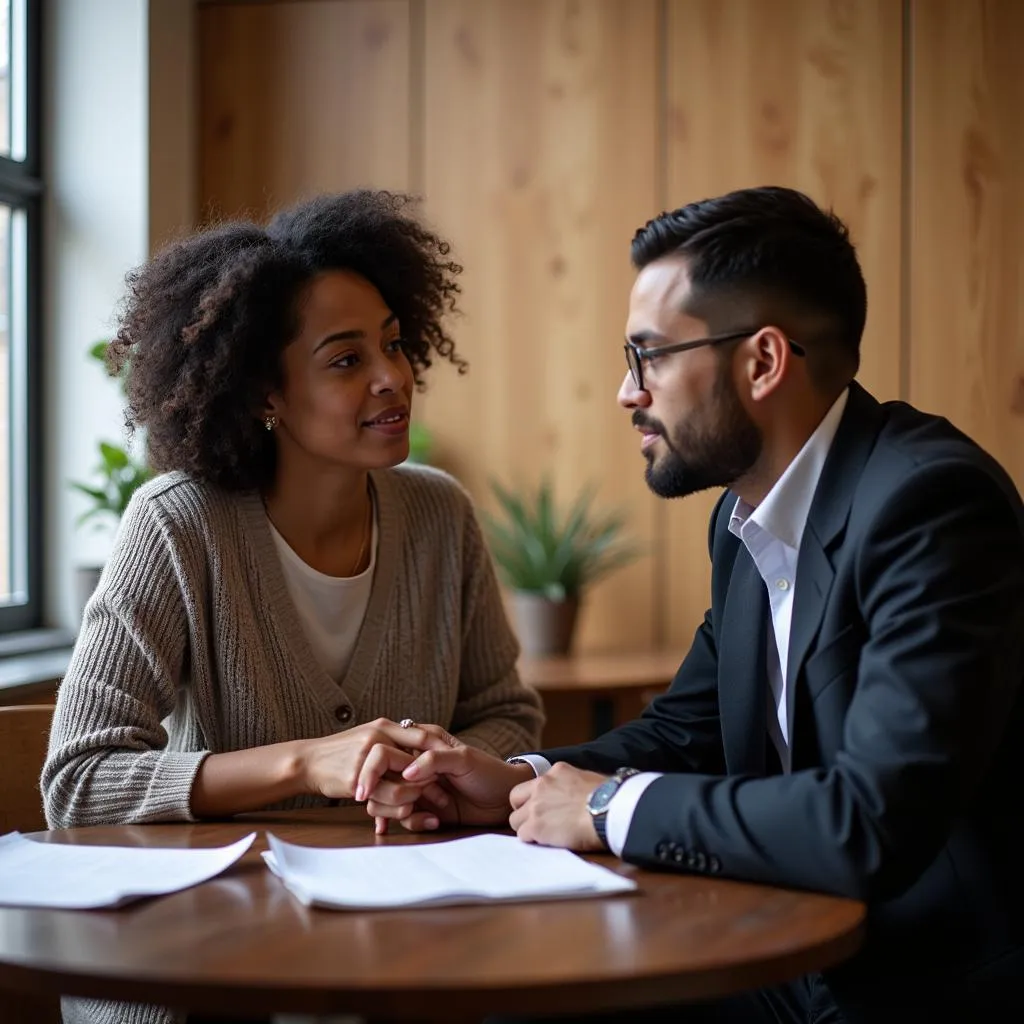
[406, 723]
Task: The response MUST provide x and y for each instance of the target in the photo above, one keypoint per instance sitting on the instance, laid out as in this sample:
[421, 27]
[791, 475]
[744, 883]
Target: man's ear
[768, 361]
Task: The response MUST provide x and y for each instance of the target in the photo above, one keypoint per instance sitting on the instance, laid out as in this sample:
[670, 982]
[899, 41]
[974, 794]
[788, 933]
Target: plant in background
[118, 475]
[537, 551]
[420, 443]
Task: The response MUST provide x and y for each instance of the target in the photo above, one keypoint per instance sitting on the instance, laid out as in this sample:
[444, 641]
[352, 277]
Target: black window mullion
[21, 189]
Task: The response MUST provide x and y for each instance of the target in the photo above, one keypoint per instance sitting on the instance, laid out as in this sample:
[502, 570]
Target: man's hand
[552, 810]
[477, 785]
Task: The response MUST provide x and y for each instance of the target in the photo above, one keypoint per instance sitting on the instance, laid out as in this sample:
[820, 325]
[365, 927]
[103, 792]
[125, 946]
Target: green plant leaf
[90, 492]
[536, 550]
[114, 458]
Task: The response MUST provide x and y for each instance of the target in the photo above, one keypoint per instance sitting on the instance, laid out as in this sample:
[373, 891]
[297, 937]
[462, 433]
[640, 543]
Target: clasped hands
[421, 776]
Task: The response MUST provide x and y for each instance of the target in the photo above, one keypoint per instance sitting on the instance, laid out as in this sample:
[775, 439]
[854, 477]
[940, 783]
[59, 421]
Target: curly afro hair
[205, 321]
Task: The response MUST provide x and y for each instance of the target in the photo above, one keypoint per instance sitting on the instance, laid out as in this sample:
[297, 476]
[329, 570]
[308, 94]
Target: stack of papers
[479, 869]
[474, 870]
[73, 877]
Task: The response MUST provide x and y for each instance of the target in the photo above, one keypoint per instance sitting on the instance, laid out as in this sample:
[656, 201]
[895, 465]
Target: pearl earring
[270, 422]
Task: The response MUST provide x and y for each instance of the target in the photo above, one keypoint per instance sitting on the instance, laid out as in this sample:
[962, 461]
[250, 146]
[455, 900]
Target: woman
[285, 592]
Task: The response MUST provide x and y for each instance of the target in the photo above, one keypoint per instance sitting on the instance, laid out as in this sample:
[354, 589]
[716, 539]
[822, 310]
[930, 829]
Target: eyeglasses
[637, 355]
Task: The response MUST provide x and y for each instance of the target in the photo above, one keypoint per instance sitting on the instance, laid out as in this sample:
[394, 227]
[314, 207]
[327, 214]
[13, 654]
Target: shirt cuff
[621, 808]
[539, 764]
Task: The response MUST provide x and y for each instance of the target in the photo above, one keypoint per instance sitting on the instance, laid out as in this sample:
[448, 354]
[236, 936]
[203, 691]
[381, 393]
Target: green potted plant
[421, 443]
[117, 476]
[547, 560]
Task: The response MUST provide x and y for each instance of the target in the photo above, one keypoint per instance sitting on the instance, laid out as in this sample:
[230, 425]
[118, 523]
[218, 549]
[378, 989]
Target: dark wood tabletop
[242, 944]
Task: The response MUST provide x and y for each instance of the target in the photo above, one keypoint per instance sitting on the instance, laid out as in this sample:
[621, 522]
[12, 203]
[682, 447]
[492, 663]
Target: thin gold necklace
[367, 531]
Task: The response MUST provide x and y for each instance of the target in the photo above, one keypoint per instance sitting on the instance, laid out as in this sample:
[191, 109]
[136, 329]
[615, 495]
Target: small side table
[585, 695]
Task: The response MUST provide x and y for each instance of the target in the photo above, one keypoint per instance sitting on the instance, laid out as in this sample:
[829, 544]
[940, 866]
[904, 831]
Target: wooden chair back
[24, 731]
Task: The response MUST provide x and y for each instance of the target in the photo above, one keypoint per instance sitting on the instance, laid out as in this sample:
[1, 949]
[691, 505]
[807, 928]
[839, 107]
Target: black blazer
[906, 713]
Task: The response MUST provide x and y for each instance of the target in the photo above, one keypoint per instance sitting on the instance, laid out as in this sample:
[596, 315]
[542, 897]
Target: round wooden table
[242, 944]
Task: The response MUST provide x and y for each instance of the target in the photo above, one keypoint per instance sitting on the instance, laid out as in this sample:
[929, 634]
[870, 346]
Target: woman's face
[347, 384]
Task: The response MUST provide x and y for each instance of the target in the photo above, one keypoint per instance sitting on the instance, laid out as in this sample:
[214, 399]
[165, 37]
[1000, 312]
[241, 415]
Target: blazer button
[661, 851]
[343, 713]
[714, 864]
[678, 855]
[691, 860]
[702, 861]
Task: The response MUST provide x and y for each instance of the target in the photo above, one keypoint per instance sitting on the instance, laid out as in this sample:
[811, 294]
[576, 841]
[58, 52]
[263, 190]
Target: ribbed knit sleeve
[496, 711]
[107, 760]
[103, 1011]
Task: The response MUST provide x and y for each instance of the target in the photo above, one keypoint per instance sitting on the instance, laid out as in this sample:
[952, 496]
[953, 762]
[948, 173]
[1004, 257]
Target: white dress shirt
[771, 533]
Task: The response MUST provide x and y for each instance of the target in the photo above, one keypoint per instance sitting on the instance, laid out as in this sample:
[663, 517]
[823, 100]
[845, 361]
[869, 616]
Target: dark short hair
[205, 321]
[773, 253]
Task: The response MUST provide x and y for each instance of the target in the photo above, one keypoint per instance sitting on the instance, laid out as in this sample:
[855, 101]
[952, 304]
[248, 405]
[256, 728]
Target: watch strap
[600, 819]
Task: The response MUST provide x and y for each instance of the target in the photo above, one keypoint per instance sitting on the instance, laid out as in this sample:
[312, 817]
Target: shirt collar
[784, 511]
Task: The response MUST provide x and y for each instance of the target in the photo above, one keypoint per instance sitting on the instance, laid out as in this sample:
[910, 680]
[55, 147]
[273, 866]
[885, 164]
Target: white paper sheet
[474, 870]
[72, 877]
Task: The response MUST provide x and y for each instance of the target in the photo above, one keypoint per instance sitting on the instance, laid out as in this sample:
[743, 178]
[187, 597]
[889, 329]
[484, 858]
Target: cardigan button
[343, 713]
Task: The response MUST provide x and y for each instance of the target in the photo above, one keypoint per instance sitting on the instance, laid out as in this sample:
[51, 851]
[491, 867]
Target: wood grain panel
[803, 93]
[967, 220]
[299, 98]
[540, 142]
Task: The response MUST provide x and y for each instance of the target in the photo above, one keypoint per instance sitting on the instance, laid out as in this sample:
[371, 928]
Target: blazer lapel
[742, 680]
[855, 438]
[814, 575]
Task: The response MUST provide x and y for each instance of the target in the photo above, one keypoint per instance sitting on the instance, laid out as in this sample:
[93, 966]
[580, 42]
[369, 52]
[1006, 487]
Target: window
[20, 195]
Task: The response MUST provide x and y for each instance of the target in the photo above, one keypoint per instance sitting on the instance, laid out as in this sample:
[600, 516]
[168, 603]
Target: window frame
[21, 187]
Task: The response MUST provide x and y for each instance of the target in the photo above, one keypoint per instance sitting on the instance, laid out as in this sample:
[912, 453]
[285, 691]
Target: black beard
[718, 453]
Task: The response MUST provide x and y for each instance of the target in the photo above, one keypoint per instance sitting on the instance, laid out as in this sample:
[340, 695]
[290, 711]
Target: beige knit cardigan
[191, 645]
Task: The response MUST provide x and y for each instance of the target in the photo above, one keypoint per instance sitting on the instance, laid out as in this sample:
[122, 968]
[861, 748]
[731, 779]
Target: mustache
[644, 422]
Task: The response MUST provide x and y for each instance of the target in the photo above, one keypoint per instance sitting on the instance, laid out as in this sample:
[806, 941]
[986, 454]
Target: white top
[771, 533]
[330, 608]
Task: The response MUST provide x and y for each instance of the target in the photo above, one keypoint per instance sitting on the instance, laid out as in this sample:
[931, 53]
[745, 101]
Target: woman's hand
[368, 760]
[475, 785]
[329, 766]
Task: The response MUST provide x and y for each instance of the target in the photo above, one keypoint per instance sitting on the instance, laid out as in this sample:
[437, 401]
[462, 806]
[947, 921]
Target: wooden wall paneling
[540, 139]
[301, 97]
[803, 93]
[967, 219]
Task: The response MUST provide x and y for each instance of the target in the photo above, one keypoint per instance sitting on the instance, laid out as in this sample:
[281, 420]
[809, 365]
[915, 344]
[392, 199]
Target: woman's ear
[269, 414]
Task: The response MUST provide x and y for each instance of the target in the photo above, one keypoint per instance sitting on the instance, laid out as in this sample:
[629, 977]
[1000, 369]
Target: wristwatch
[598, 801]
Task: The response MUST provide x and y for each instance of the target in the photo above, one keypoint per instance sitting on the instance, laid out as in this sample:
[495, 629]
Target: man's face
[696, 432]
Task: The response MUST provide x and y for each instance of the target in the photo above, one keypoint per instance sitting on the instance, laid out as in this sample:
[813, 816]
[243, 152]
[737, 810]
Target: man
[850, 716]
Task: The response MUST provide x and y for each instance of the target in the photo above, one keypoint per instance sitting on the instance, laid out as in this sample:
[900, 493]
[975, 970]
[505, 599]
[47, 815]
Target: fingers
[407, 815]
[516, 820]
[393, 790]
[436, 795]
[519, 798]
[437, 761]
[418, 737]
[520, 794]
[380, 760]
[420, 821]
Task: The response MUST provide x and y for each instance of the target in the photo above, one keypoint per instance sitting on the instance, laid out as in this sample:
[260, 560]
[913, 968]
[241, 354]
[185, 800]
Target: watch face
[602, 796]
